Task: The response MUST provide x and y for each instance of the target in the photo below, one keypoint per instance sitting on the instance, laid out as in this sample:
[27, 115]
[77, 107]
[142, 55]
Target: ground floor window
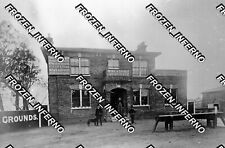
[80, 99]
[173, 92]
[140, 97]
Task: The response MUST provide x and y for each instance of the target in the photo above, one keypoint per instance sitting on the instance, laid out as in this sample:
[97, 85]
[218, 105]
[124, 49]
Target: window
[80, 99]
[113, 64]
[79, 66]
[139, 68]
[140, 97]
[173, 92]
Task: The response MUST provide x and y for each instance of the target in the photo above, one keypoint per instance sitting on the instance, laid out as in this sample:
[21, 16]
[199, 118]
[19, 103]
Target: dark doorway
[114, 99]
[191, 107]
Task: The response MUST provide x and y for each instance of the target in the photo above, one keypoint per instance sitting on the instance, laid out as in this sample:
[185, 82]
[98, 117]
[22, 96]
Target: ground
[113, 135]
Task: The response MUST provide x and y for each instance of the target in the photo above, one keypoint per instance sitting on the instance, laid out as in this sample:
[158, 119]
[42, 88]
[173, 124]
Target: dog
[92, 120]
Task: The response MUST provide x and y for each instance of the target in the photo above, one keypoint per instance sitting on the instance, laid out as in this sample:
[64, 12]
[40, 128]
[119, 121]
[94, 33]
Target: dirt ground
[113, 135]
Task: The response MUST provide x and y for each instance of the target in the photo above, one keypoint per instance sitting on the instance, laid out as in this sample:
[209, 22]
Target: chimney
[141, 47]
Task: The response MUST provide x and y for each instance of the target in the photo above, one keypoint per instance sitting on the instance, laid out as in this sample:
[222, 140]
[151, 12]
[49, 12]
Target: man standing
[132, 113]
[98, 114]
[120, 107]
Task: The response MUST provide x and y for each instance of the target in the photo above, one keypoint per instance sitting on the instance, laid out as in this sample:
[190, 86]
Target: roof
[218, 89]
[97, 50]
[169, 72]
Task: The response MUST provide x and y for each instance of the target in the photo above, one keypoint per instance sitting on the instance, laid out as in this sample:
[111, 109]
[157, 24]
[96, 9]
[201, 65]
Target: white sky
[128, 20]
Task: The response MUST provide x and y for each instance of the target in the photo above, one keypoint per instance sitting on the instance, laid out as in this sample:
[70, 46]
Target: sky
[130, 22]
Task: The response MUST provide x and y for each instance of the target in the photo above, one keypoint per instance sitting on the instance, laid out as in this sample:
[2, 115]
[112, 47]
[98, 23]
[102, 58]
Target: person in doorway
[132, 114]
[120, 107]
[98, 114]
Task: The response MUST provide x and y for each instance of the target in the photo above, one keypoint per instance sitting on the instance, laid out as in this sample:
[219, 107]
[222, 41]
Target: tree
[7, 40]
[17, 59]
[21, 65]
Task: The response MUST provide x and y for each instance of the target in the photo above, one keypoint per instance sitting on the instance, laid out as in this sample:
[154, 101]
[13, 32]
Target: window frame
[80, 67]
[81, 99]
[113, 67]
[140, 96]
[139, 67]
[170, 91]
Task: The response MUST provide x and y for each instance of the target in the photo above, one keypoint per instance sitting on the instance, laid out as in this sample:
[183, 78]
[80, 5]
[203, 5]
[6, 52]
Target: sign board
[11, 120]
[58, 68]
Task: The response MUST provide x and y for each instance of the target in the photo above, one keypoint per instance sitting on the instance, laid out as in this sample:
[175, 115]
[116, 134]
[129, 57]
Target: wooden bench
[168, 119]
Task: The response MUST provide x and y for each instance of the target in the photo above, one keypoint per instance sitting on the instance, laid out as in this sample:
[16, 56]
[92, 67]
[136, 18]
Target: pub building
[114, 78]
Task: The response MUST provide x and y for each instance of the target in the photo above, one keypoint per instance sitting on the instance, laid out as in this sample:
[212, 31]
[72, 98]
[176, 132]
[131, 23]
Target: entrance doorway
[118, 95]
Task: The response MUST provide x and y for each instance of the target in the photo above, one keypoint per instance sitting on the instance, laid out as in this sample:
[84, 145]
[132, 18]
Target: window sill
[113, 68]
[166, 105]
[140, 105]
[80, 108]
[169, 104]
[75, 75]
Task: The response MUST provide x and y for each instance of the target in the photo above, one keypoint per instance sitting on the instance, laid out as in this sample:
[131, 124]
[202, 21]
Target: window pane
[135, 71]
[144, 100]
[85, 99]
[84, 62]
[84, 70]
[75, 98]
[74, 62]
[74, 70]
[143, 71]
[135, 64]
[143, 64]
[136, 100]
[113, 64]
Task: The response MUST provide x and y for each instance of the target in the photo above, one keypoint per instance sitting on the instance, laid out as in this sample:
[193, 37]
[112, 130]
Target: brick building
[214, 97]
[114, 77]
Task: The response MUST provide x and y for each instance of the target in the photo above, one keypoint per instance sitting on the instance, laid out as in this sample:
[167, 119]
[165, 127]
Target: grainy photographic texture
[112, 74]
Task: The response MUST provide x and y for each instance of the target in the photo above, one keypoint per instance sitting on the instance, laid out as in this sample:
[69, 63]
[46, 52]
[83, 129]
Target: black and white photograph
[112, 74]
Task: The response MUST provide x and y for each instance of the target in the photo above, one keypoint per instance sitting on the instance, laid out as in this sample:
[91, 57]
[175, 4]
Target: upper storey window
[113, 64]
[139, 68]
[79, 66]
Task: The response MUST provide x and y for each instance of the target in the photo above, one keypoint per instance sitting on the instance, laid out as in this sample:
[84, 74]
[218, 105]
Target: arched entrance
[118, 95]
